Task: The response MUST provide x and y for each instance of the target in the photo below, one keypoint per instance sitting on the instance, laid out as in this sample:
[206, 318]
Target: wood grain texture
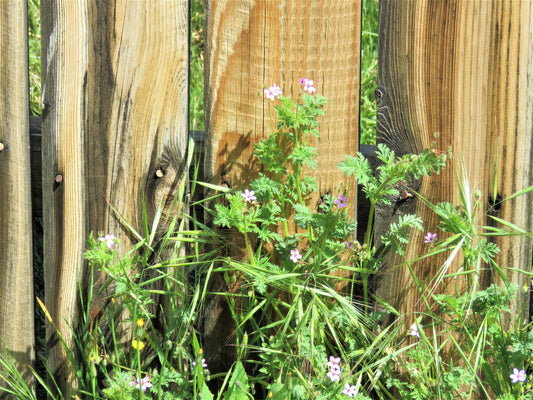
[115, 94]
[461, 68]
[252, 44]
[16, 263]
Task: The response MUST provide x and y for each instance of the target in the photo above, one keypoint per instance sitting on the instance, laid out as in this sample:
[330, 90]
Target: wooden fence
[115, 111]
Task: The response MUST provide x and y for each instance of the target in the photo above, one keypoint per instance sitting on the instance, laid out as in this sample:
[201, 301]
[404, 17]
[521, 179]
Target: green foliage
[238, 388]
[398, 234]
[10, 374]
[295, 277]
[196, 63]
[369, 69]
[34, 60]
[392, 171]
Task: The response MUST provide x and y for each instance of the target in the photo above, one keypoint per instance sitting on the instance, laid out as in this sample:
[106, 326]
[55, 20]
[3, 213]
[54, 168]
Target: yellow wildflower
[137, 344]
[140, 323]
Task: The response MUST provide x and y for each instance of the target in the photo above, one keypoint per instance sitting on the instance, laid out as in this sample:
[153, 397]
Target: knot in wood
[379, 93]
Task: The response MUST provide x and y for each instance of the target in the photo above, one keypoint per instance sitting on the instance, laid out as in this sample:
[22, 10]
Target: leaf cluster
[392, 171]
[398, 235]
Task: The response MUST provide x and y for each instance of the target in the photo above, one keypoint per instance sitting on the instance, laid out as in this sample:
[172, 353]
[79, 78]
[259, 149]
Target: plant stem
[285, 223]
[249, 250]
[368, 239]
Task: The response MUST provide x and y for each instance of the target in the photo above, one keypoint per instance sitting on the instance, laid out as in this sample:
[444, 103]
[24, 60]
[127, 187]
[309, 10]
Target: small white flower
[413, 330]
[249, 195]
[295, 255]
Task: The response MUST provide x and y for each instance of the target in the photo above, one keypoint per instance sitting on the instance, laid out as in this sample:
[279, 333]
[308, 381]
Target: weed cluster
[298, 335]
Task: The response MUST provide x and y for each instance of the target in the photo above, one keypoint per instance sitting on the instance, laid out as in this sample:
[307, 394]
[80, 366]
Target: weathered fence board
[253, 44]
[461, 69]
[16, 276]
[115, 93]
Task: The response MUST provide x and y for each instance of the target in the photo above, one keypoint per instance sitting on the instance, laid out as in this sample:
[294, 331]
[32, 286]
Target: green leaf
[398, 234]
[238, 385]
[358, 166]
[271, 155]
[206, 393]
[267, 189]
[303, 216]
[303, 155]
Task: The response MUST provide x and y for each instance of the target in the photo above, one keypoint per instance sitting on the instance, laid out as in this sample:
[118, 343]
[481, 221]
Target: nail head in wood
[159, 173]
[59, 178]
[406, 195]
[1, 146]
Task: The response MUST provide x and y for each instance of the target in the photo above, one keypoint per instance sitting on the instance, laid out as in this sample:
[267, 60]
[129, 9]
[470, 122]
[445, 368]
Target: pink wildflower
[144, 384]
[518, 376]
[308, 85]
[334, 369]
[109, 240]
[349, 391]
[413, 330]
[272, 92]
[341, 201]
[430, 237]
[295, 255]
[204, 363]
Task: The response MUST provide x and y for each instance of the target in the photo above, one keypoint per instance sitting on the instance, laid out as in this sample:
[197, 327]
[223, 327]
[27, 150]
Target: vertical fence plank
[459, 68]
[115, 93]
[64, 62]
[252, 44]
[16, 268]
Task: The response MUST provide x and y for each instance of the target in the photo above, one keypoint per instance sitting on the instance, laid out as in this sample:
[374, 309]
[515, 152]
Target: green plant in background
[369, 71]
[196, 85]
[379, 189]
[34, 47]
[123, 353]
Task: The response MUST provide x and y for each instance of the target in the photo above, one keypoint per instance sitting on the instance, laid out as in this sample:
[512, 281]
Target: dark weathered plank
[115, 100]
[16, 273]
[460, 68]
[253, 44]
